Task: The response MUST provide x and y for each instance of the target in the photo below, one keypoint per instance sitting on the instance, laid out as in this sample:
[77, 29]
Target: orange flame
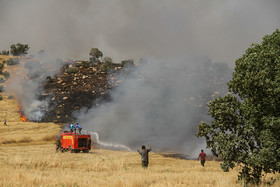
[22, 116]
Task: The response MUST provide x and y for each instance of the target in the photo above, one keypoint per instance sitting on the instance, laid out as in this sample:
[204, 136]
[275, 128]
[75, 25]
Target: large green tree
[245, 126]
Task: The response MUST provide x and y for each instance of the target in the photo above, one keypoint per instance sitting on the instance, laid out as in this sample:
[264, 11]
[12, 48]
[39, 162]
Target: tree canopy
[19, 49]
[245, 126]
[95, 54]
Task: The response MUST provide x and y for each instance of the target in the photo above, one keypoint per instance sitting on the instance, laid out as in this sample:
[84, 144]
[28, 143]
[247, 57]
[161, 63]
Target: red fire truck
[74, 142]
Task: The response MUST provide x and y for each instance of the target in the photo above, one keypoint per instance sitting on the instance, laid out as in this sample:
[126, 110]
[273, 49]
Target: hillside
[76, 86]
[28, 157]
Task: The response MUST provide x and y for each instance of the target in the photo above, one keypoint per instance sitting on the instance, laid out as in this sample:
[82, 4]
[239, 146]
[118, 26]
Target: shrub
[86, 64]
[19, 49]
[10, 97]
[72, 70]
[2, 80]
[106, 66]
[1, 67]
[4, 52]
[2, 89]
[12, 61]
[49, 79]
[6, 74]
[1, 98]
[128, 62]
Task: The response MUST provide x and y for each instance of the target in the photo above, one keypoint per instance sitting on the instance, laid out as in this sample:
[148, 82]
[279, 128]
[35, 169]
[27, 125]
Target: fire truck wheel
[85, 151]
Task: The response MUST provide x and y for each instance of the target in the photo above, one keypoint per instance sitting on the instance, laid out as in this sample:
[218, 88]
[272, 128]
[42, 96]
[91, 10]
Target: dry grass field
[28, 158]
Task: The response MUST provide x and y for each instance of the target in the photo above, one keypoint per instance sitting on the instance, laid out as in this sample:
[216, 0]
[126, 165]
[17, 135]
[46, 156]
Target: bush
[86, 64]
[12, 61]
[106, 66]
[1, 67]
[2, 80]
[6, 74]
[19, 49]
[4, 52]
[1, 98]
[72, 70]
[2, 89]
[10, 97]
[49, 79]
[128, 62]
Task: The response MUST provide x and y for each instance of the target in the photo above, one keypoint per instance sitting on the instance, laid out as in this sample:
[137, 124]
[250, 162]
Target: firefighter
[145, 155]
[5, 122]
[71, 127]
[79, 127]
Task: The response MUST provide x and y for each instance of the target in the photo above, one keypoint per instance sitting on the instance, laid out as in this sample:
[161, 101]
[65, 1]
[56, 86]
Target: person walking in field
[5, 122]
[203, 157]
[145, 155]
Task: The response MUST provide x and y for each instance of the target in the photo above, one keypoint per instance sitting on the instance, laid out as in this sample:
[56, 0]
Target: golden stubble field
[28, 158]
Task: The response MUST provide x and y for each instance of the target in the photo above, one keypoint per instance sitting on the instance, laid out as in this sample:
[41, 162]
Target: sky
[122, 29]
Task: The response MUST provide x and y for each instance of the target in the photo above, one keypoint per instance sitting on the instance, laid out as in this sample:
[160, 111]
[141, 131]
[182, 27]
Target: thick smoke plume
[159, 102]
[220, 29]
[162, 100]
[27, 81]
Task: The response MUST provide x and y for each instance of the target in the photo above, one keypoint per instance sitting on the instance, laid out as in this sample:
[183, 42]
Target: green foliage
[107, 64]
[128, 62]
[2, 80]
[72, 70]
[49, 79]
[4, 52]
[246, 125]
[6, 74]
[2, 89]
[19, 49]
[1, 67]
[95, 54]
[86, 64]
[12, 61]
[1, 98]
[10, 97]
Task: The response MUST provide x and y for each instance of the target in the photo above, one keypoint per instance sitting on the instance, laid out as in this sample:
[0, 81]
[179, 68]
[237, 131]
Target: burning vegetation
[22, 115]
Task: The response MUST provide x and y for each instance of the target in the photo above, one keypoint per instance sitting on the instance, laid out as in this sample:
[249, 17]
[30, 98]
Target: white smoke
[159, 102]
[27, 81]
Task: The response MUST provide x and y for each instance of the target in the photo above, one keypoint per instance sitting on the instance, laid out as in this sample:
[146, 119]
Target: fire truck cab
[75, 142]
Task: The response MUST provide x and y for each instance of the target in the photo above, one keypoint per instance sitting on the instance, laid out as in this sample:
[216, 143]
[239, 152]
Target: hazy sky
[220, 29]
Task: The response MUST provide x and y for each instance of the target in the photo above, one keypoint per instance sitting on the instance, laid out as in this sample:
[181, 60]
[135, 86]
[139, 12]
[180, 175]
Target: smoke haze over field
[159, 103]
[220, 29]
[163, 100]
